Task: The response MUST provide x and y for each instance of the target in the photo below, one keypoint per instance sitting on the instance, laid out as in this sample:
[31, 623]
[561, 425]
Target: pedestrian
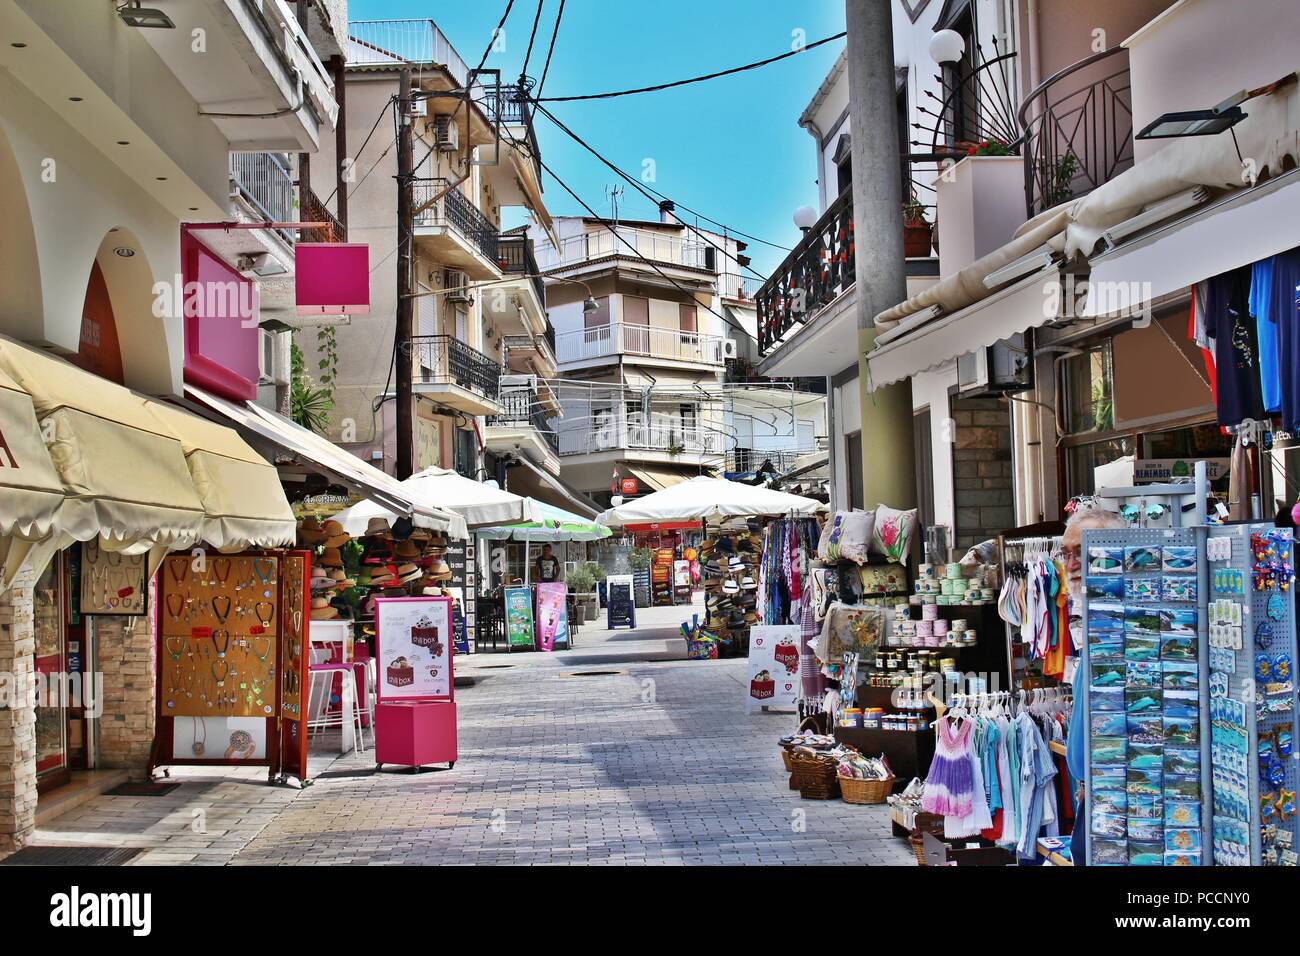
[547, 566]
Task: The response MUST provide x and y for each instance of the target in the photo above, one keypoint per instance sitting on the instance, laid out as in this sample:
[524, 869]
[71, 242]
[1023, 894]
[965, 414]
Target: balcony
[265, 182]
[518, 302]
[517, 178]
[1078, 130]
[662, 434]
[521, 425]
[454, 375]
[813, 275]
[738, 287]
[453, 231]
[605, 342]
[394, 42]
[663, 247]
[742, 460]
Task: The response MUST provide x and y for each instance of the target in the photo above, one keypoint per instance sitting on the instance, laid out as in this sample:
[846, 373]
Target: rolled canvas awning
[538, 483]
[657, 479]
[332, 460]
[123, 474]
[1029, 303]
[243, 502]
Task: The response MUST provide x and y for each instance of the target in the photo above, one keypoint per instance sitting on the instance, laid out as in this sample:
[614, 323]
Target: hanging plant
[328, 344]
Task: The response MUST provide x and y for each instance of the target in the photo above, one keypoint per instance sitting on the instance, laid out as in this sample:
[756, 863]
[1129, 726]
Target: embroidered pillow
[893, 533]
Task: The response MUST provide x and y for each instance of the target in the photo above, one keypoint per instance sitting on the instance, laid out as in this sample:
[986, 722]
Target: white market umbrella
[479, 504]
[708, 499]
[552, 524]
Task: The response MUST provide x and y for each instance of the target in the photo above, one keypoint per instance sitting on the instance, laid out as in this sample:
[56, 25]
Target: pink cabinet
[412, 733]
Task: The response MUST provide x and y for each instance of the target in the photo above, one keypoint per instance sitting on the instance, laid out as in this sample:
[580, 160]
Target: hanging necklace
[269, 645]
[222, 647]
[223, 611]
[184, 570]
[197, 746]
[175, 654]
[221, 566]
[264, 578]
[270, 612]
[175, 604]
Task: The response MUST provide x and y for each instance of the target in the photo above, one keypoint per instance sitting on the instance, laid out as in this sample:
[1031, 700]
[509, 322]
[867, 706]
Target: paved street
[654, 763]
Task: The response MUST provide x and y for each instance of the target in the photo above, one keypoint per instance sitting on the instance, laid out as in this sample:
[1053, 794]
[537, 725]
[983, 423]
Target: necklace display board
[295, 623]
[226, 626]
[415, 709]
[112, 582]
[1252, 694]
[1145, 656]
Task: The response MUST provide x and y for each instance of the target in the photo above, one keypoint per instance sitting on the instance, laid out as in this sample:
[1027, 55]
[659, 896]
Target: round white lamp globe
[805, 217]
[947, 46]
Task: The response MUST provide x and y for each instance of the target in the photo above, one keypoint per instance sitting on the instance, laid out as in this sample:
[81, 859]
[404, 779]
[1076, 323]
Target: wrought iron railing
[520, 406]
[742, 459]
[620, 338]
[977, 105]
[658, 433]
[515, 257]
[814, 273]
[439, 203]
[311, 209]
[445, 360]
[265, 181]
[512, 109]
[1078, 129]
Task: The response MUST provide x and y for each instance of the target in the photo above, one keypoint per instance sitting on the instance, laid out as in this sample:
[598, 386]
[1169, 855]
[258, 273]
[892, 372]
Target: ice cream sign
[773, 666]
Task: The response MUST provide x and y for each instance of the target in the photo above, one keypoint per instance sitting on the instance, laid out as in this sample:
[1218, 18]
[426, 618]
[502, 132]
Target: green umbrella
[554, 524]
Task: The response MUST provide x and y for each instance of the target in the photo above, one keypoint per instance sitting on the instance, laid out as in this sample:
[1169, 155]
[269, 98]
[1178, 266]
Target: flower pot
[916, 239]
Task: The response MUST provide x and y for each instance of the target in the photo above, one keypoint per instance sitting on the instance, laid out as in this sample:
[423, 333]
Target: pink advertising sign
[552, 615]
[413, 638]
[332, 278]
[221, 313]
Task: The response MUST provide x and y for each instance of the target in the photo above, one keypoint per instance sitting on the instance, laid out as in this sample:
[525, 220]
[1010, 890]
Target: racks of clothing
[994, 773]
[1034, 600]
[784, 574]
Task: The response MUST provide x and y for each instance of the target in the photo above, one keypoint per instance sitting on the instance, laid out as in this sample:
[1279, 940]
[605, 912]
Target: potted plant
[917, 230]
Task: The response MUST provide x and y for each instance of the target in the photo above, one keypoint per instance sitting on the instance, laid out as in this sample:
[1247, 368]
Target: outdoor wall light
[615, 501]
[134, 15]
[947, 46]
[805, 217]
[126, 252]
[1192, 123]
[590, 305]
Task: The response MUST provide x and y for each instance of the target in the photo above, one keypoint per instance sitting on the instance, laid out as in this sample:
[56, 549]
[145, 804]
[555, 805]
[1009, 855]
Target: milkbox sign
[414, 637]
[773, 666]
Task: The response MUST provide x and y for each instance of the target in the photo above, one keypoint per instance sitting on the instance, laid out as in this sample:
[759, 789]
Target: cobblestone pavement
[654, 763]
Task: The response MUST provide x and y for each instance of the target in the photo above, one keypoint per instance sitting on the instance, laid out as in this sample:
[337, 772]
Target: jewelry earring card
[112, 582]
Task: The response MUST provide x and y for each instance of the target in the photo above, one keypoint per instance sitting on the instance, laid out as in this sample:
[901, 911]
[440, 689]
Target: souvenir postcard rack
[1252, 695]
[232, 657]
[1148, 796]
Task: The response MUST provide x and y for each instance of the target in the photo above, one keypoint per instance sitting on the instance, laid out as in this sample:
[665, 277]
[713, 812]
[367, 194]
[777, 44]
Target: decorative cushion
[892, 536]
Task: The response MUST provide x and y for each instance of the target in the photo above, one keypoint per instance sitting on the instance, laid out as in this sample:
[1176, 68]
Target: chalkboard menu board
[620, 607]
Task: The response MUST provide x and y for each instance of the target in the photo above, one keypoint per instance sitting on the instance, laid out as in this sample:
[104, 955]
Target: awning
[708, 499]
[1244, 227]
[478, 504]
[341, 465]
[536, 482]
[124, 476]
[30, 490]
[1029, 303]
[243, 502]
[657, 479]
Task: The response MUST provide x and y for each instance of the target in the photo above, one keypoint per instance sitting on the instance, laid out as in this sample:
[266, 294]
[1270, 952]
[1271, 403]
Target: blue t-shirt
[1261, 289]
[1282, 308]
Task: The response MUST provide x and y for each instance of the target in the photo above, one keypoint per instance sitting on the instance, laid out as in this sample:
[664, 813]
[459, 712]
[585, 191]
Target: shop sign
[222, 338]
[773, 666]
[519, 618]
[620, 605]
[332, 278]
[629, 487]
[552, 615]
[413, 637]
[1167, 469]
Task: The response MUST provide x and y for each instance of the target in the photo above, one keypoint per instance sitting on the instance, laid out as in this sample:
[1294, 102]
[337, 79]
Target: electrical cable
[695, 79]
[387, 106]
[523, 70]
[551, 49]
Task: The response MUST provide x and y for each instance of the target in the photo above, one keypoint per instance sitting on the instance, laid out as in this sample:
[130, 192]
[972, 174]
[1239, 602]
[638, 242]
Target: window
[636, 324]
[686, 317]
[600, 317]
[1088, 383]
[923, 450]
[466, 453]
[853, 467]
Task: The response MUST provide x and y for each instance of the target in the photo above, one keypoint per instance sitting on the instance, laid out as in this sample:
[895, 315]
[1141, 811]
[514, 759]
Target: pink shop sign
[332, 278]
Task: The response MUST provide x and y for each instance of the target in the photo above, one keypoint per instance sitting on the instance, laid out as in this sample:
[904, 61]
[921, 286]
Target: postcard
[1178, 620]
[1108, 674]
[1142, 702]
[1106, 699]
[1182, 731]
[1180, 675]
[1180, 787]
[1141, 589]
[1146, 729]
[1179, 558]
[1144, 829]
[1109, 750]
[1146, 854]
[1181, 813]
[1176, 648]
[1101, 587]
[1142, 674]
[1140, 559]
[1181, 703]
[1106, 852]
[1105, 616]
[1111, 825]
[1178, 588]
[1182, 761]
[1142, 647]
[1108, 725]
[1105, 560]
[1183, 840]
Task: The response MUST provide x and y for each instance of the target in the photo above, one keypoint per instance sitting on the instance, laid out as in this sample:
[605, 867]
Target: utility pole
[881, 269]
[339, 70]
[405, 302]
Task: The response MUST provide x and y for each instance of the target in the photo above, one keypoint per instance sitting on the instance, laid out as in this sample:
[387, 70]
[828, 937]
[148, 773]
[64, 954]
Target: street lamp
[805, 217]
[947, 46]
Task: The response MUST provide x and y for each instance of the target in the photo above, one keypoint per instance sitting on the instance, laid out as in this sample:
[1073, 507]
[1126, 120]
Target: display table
[414, 733]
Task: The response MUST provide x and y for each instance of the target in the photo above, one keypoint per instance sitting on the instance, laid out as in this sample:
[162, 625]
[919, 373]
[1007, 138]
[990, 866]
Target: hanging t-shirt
[1282, 307]
[1236, 346]
[1261, 290]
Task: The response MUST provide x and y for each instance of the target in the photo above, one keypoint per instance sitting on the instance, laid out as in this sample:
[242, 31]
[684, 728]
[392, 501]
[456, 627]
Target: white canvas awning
[1027, 304]
[1244, 227]
[708, 499]
[480, 505]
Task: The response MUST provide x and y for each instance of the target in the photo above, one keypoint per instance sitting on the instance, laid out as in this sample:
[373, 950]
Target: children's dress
[950, 786]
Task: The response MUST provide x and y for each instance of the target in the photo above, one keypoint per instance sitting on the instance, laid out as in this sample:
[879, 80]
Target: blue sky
[729, 148]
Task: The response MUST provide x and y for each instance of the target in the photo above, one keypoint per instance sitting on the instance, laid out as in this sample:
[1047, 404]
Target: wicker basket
[785, 759]
[785, 750]
[815, 776]
[865, 791]
[917, 839]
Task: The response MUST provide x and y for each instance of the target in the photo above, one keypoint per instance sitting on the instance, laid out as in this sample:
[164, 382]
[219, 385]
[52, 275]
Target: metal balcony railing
[664, 433]
[520, 407]
[751, 459]
[622, 339]
[1078, 129]
[629, 241]
[814, 273]
[311, 209]
[380, 42]
[445, 360]
[515, 257]
[512, 109]
[452, 209]
[265, 182]
[734, 286]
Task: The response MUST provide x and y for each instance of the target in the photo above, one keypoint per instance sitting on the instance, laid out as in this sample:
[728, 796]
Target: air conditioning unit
[457, 285]
[446, 134]
[1004, 367]
[730, 349]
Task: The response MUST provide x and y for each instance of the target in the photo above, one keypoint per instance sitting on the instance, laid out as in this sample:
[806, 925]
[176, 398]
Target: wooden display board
[112, 582]
[226, 625]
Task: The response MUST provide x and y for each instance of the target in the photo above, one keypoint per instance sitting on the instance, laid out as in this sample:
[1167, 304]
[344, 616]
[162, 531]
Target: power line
[378, 119]
[637, 186]
[551, 49]
[694, 79]
[531, 37]
[636, 252]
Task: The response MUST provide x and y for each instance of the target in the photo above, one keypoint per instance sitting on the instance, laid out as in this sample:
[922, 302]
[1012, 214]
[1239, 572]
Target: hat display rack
[730, 559]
